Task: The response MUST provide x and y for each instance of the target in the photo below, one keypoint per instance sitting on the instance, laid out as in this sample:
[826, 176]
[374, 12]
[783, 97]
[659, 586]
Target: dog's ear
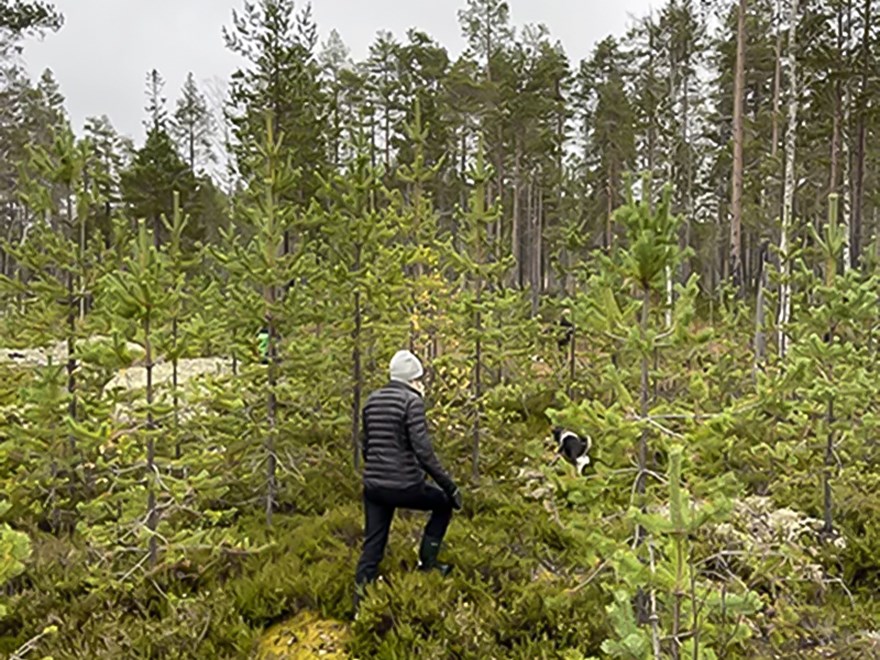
[557, 433]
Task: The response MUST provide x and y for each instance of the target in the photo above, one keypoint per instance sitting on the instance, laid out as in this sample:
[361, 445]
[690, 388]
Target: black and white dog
[573, 448]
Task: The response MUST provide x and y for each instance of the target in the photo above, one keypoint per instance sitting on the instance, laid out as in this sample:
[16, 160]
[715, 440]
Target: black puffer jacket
[397, 449]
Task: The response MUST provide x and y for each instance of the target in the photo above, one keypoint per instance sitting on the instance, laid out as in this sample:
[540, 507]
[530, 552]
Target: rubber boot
[428, 552]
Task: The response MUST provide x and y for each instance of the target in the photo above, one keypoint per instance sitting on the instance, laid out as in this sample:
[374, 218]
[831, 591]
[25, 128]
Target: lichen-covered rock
[305, 636]
[57, 352]
[761, 527]
[33, 357]
[135, 378]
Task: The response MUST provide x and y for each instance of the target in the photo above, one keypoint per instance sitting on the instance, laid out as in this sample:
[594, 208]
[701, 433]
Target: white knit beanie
[405, 367]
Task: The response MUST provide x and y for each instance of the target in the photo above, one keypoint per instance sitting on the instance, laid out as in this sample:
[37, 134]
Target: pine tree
[178, 264]
[193, 126]
[428, 245]
[486, 26]
[763, 175]
[335, 64]
[41, 440]
[60, 273]
[146, 491]
[157, 113]
[610, 138]
[361, 229]
[104, 169]
[21, 16]
[142, 294]
[479, 273]
[282, 77]
[385, 91]
[156, 171]
[260, 270]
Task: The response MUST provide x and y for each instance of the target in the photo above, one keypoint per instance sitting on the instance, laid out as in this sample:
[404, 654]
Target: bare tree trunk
[760, 313]
[516, 239]
[846, 185]
[861, 139]
[357, 374]
[609, 210]
[528, 230]
[174, 383]
[271, 410]
[478, 384]
[499, 224]
[192, 149]
[788, 196]
[536, 249]
[830, 456]
[643, 601]
[71, 355]
[777, 83]
[846, 211]
[654, 616]
[738, 138]
[152, 511]
[572, 361]
[827, 469]
[838, 110]
[81, 265]
[652, 118]
[689, 167]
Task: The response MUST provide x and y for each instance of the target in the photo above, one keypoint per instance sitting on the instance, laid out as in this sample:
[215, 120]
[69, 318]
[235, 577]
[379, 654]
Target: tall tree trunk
[516, 238]
[689, 171]
[536, 250]
[652, 116]
[528, 227]
[834, 177]
[81, 259]
[861, 139]
[71, 356]
[357, 374]
[736, 268]
[846, 210]
[499, 225]
[771, 198]
[844, 41]
[788, 196]
[610, 209]
[777, 83]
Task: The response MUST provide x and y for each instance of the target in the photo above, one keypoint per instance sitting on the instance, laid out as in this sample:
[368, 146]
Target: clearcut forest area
[670, 248]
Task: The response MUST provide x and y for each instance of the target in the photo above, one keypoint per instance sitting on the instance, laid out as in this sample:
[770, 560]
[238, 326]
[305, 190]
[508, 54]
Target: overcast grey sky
[103, 52]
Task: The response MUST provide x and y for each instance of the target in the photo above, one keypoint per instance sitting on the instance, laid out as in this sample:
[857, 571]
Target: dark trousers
[379, 507]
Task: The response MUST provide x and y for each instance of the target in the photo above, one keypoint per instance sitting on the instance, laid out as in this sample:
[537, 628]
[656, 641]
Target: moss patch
[305, 636]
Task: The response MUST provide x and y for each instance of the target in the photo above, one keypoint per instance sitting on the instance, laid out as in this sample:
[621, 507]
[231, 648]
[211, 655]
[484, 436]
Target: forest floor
[532, 552]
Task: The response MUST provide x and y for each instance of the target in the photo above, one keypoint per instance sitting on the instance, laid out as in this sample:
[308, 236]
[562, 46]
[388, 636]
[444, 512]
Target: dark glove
[455, 499]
